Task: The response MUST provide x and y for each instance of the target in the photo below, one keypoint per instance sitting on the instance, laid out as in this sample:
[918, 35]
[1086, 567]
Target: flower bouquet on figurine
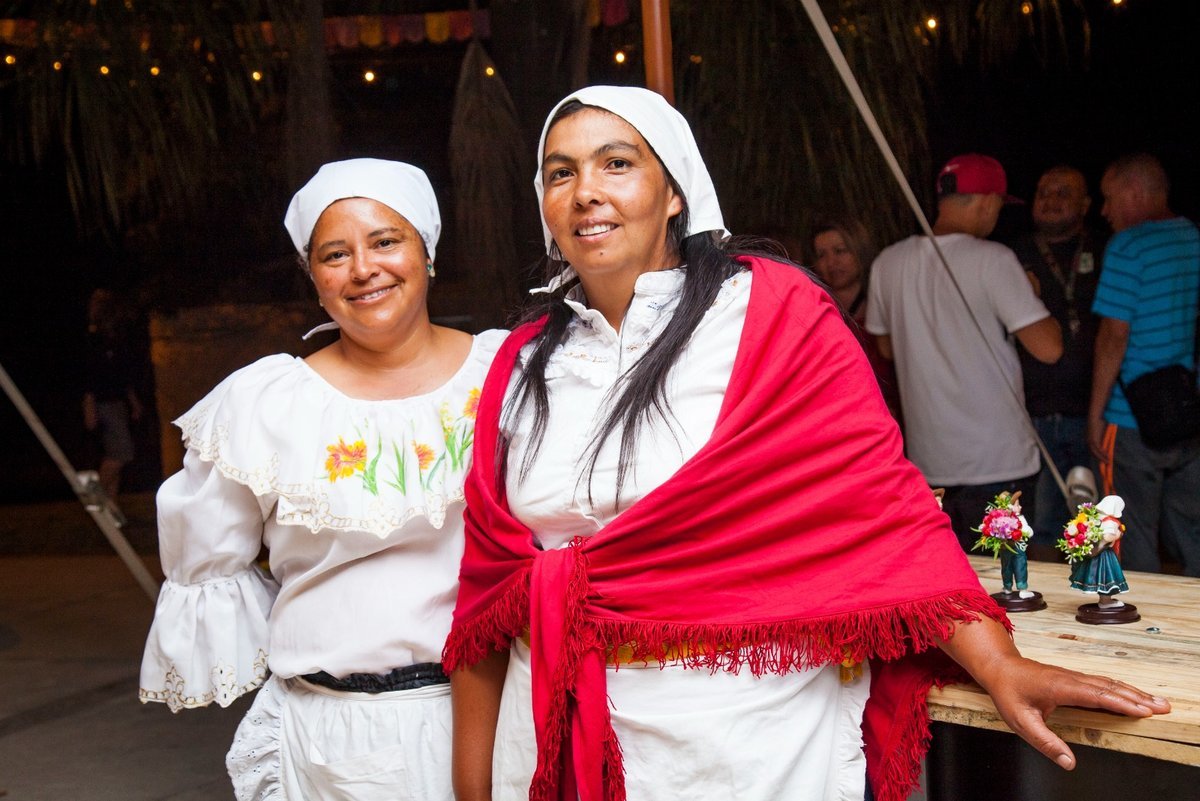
[1006, 534]
[1088, 540]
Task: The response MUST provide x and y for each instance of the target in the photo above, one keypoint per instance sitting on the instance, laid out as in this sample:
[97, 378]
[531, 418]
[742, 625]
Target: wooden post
[656, 41]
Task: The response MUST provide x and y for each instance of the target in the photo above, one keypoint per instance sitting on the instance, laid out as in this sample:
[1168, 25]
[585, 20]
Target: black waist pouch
[1166, 405]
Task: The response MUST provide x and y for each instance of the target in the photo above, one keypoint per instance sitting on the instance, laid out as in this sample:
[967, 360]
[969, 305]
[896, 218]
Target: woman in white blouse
[348, 467]
[619, 391]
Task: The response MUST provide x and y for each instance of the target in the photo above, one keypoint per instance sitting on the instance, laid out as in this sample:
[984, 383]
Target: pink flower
[1001, 524]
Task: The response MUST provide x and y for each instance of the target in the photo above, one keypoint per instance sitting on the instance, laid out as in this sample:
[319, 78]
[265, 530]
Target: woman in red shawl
[690, 523]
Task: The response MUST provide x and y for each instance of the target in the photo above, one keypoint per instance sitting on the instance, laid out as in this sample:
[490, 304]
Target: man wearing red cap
[949, 327]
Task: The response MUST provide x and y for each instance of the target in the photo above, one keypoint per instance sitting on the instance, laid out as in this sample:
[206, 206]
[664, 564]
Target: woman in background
[842, 253]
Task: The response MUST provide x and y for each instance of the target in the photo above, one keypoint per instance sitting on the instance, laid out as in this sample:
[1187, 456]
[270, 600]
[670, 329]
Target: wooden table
[1159, 653]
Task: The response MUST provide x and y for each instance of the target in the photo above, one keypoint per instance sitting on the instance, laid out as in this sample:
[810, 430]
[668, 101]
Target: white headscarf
[667, 132]
[399, 186]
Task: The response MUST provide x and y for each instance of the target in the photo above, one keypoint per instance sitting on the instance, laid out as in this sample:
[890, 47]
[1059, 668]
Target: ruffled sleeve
[209, 638]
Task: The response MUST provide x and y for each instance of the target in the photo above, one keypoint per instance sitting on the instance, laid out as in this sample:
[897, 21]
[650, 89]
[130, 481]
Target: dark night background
[1136, 91]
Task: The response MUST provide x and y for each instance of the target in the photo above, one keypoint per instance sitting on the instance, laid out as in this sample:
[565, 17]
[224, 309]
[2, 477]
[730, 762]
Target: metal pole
[656, 41]
[98, 506]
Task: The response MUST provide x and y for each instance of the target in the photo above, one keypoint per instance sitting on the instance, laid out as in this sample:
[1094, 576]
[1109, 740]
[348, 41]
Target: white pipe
[101, 513]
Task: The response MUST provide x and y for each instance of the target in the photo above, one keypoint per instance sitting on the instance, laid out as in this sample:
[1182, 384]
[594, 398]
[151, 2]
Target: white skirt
[703, 735]
[302, 742]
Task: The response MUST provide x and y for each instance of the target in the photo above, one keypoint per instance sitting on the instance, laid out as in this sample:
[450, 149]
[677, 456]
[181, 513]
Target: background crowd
[978, 344]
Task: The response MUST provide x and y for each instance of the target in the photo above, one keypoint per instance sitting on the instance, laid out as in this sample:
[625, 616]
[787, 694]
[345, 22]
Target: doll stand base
[1013, 602]
[1103, 616]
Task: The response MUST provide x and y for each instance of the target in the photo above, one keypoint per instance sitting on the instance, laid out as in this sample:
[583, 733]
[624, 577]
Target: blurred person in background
[841, 254]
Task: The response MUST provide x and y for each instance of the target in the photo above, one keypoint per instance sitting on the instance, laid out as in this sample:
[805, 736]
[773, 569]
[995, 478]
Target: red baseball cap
[973, 174]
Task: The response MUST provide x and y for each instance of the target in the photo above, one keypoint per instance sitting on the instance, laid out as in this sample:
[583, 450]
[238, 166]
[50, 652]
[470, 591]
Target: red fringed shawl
[798, 535]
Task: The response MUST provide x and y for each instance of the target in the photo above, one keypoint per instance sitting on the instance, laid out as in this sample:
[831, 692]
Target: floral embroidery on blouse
[323, 460]
[471, 407]
[344, 460]
[458, 433]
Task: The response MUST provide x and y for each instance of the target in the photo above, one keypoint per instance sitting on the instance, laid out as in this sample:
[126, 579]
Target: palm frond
[781, 136]
[130, 97]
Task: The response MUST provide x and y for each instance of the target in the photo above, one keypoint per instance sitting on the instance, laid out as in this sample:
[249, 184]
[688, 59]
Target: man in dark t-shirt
[1062, 257]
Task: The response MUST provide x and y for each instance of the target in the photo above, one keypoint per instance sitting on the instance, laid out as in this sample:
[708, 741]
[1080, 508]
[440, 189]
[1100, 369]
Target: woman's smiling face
[606, 197]
[368, 265]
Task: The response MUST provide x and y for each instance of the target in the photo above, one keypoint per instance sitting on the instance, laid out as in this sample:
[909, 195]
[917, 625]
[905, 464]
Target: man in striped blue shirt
[1147, 301]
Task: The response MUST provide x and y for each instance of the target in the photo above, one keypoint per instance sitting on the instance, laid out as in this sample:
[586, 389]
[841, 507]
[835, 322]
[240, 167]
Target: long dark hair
[641, 392]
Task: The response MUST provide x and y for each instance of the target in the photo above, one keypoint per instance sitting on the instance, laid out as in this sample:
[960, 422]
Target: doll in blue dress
[1088, 541]
[1101, 572]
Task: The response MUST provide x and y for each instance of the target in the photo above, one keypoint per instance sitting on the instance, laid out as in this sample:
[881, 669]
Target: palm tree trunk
[309, 136]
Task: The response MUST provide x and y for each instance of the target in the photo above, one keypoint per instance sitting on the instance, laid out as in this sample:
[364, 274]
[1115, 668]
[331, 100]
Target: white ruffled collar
[652, 292]
[593, 350]
[336, 462]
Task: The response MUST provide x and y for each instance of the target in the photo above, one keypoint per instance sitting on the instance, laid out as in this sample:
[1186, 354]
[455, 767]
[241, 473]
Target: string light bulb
[369, 76]
[57, 66]
[10, 59]
[489, 71]
[931, 23]
[1027, 8]
[695, 59]
[155, 70]
[256, 75]
[619, 56]
[1117, 2]
[103, 70]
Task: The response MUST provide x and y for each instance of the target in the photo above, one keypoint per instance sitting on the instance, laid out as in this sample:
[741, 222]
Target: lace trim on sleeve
[208, 642]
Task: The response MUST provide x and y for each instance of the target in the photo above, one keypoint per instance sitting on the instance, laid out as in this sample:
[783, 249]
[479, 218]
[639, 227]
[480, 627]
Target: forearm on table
[1025, 692]
[475, 692]
[980, 647]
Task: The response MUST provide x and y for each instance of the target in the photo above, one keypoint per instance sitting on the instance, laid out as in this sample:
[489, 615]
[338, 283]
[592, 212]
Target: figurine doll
[1088, 541]
[1005, 532]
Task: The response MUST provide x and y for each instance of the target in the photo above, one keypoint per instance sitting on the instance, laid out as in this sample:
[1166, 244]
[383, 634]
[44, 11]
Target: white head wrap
[399, 186]
[667, 132]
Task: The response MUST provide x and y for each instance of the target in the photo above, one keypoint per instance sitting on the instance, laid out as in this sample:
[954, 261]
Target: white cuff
[208, 641]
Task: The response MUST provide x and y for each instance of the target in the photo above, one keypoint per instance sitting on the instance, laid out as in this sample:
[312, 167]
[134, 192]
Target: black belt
[425, 674]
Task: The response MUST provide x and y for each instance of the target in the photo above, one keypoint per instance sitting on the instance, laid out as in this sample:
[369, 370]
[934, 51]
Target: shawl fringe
[897, 773]
[885, 633]
[614, 766]
[494, 629]
[576, 642]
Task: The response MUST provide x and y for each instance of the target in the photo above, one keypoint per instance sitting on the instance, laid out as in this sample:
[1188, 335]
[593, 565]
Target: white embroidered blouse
[360, 505]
